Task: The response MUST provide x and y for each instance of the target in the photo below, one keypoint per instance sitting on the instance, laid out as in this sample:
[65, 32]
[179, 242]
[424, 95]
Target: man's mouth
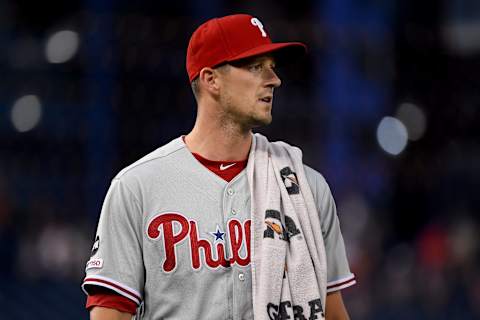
[266, 99]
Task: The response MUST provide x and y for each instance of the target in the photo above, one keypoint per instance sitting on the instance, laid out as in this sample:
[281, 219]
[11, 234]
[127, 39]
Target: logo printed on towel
[290, 180]
[275, 226]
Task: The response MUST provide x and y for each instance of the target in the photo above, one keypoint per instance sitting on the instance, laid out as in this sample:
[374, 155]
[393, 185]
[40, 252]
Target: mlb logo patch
[96, 263]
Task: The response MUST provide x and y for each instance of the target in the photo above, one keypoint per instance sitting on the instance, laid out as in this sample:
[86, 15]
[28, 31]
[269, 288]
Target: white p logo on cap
[258, 24]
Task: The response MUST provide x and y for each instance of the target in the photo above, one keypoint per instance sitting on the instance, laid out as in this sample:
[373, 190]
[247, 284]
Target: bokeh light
[26, 113]
[61, 46]
[414, 120]
[392, 135]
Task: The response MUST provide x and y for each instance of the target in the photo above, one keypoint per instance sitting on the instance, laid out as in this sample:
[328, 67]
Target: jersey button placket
[241, 276]
[228, 197]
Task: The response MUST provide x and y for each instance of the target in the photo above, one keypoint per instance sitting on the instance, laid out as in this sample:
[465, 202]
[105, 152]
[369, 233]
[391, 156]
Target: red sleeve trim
[112, 300]
[341, 284]
[113, 285]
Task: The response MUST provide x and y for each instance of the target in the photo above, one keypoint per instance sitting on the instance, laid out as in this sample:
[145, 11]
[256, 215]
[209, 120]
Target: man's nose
[272, 78]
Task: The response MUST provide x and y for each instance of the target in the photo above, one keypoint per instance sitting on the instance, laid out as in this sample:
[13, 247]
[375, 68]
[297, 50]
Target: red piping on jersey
[113, 285]
[340, 283]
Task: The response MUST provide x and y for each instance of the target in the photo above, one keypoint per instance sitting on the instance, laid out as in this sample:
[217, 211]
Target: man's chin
[261, 122]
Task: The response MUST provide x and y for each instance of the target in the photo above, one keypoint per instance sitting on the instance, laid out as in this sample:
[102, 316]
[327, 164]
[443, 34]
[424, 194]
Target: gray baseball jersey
[174, 237]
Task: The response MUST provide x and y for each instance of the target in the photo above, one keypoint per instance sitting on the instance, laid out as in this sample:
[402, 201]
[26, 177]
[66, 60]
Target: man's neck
[219, 144]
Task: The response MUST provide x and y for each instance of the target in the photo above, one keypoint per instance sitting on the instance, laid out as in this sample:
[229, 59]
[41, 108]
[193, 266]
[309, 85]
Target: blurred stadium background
[386, 106]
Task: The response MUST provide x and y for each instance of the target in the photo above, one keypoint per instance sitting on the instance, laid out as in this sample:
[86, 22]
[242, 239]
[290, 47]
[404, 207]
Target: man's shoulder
[315, 179]
[154, 159]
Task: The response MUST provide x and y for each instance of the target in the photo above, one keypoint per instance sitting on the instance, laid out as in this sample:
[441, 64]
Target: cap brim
[284, 52]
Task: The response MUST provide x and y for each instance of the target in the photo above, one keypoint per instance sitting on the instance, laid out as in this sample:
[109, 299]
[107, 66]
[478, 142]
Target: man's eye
[256, 67]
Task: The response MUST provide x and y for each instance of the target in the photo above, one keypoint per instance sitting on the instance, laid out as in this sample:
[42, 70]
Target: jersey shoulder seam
[148, 158]
[131, 192]
[319, 178]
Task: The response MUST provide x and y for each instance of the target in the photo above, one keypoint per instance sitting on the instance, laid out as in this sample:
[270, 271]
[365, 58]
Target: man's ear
[209, 79]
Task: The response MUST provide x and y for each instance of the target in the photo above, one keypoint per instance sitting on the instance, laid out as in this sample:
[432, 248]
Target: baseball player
[173, 238]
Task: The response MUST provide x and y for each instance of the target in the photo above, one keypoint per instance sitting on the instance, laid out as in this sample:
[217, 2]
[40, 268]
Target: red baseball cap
[232, 38]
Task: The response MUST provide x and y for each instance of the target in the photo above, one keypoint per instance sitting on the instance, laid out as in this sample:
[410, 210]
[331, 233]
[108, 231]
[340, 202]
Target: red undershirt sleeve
[103, 297]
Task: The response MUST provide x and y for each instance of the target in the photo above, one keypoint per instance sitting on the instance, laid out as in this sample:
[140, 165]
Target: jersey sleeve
[116, 262]
[339, 275]
[102, 297]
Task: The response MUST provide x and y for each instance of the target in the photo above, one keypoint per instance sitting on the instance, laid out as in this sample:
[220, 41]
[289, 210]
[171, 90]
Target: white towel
[287, 253]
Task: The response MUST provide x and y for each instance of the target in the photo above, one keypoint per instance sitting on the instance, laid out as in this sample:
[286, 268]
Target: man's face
[246, 92]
